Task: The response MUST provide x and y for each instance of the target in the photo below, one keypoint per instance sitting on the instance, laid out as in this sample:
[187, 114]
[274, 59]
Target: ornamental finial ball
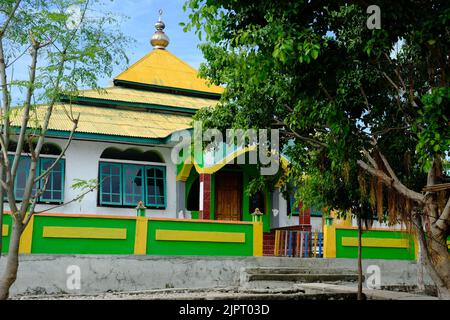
[160, 40]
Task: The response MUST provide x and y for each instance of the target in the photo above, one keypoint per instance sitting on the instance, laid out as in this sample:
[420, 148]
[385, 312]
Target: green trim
[106, 138]
[113, 103]
[188, 92]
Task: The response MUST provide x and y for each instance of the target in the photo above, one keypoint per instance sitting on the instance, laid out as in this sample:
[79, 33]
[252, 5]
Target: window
[128, 184]
[54, 189]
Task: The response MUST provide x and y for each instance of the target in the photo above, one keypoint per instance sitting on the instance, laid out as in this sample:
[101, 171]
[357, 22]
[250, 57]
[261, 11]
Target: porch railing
[300, 244]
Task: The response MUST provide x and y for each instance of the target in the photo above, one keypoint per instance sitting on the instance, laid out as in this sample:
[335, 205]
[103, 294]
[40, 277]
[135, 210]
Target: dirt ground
[200, 294]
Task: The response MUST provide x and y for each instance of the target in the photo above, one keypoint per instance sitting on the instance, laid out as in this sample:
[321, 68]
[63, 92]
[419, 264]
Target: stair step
[303, 277]
[295, 271]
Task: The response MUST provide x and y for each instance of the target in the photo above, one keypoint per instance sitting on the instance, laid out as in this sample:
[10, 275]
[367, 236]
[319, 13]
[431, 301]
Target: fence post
[258, 239]
[26, 240]
[140, 242]
[329, 240]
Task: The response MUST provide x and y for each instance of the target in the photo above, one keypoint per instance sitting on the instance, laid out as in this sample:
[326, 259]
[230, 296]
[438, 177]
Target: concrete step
[296, 271]
[270, 278]
[303, 277]
[371, 294]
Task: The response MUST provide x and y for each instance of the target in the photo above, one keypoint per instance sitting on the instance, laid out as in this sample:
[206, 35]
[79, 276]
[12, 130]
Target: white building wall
[82, 162]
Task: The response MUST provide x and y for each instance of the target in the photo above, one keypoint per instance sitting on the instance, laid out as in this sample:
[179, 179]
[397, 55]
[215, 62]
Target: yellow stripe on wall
[85, 233]
[376, 242]
[5, 230]
[200, 236]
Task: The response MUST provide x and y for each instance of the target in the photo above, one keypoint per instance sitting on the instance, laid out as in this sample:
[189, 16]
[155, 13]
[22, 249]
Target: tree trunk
[435, 257]
[420, 266]
[360, 268]
[12, 263]
[2, 211]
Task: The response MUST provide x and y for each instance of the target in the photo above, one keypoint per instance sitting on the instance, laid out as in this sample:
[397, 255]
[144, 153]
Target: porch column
[205, 197]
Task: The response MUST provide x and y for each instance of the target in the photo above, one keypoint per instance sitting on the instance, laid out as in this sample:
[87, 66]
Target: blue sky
[142, 15]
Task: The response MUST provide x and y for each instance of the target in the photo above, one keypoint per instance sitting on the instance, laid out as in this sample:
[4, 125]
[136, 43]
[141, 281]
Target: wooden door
[228, 196]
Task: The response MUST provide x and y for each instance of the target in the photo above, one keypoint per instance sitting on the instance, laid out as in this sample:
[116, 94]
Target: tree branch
[388, 166]
[62, 154]
[10, 17]
[395, 183]
[444, 220]
[26, 111]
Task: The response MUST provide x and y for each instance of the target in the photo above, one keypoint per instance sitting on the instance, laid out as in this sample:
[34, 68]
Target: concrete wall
[48, 274]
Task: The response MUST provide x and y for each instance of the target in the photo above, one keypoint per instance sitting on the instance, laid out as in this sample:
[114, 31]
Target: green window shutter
[54, 192]
[110, 184]
[155, 178]
[133, 184]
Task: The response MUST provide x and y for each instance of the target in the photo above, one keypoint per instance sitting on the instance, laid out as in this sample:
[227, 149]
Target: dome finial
[160, 40]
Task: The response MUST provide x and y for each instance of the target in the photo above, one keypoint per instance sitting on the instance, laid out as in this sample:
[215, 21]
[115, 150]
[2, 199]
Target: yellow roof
[109, 121]
[148, 97]
[162, 68]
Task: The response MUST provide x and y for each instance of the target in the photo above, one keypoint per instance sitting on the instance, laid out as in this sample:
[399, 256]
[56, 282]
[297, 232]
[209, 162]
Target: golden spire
[160, 40]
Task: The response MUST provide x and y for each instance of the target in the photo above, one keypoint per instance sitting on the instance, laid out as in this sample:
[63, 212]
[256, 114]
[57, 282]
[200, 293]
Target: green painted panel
[187, 248]
[195, 215]
[43, 245]
[5, 240]
[374, 253]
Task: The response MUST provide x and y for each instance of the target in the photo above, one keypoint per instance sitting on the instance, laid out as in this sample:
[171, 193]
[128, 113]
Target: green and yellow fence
[342, 242]
[92, 234]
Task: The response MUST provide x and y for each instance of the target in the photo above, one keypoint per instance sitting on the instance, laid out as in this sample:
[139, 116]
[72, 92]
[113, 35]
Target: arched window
[131, 176]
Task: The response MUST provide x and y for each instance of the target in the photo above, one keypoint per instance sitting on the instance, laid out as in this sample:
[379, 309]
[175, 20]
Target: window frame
[62, 162]
[40, 184]
[122, 165]
[164, 178]
[110, 203]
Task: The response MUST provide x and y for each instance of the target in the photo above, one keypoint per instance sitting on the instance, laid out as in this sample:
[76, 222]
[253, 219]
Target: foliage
[314, 70]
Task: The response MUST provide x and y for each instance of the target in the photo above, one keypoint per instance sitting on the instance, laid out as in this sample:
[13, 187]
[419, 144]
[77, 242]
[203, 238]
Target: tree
[366, 127]
[67, 46]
